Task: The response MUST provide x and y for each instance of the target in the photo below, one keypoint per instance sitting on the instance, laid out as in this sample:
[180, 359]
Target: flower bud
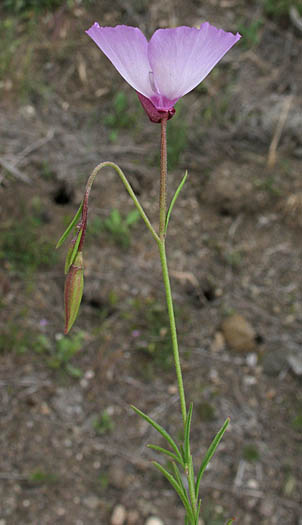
[73, 292]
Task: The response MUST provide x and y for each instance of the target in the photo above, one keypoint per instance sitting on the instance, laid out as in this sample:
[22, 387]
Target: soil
[71, 447]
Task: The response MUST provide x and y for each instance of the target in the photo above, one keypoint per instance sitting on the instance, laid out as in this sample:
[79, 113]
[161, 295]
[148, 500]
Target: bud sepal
[73, 291]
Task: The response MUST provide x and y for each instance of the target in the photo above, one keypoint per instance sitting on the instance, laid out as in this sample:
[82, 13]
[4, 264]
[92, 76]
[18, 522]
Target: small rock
[267, 508]
[117, 478]
[172, 389]
[133, 517]
[253, 484]
[274, 362]
[251, 359]
[218, 342]
[119, 515]
[153, 520]
[239, 333]
[295, 362]
[91, 502]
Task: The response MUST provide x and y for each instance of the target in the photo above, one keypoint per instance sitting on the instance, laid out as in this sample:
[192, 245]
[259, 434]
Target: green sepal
[183, 496]
[187, 434]
[166, 452]
[69, 228]
[72, 252]
[161, 430]
[174, 199]
[209, 454]
[73, 292]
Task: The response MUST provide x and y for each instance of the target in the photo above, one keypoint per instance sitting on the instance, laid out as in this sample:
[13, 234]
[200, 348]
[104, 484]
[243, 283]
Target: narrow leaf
[165, 451]
[198, 511]
[178, 478]
[230, 521]
[210, 453]
[191, 481]
[69, 228]
[72, 252]
[132, 217]
[177, 488]
[174, 199]
[187, 434]
[159, 429]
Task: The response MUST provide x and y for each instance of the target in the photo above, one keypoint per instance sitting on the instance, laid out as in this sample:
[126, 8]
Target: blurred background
[72, 452]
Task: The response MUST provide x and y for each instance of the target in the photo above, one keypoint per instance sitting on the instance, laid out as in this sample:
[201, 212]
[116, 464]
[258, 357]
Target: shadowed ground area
[72, 451]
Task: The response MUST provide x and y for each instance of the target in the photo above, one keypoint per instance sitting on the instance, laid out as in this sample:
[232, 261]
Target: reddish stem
[163, 178]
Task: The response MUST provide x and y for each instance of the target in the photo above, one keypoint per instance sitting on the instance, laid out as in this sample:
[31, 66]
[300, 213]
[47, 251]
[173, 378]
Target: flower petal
[126, 47]
[182, 57]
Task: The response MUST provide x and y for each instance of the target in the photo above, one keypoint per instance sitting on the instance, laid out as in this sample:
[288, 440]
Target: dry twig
[272, 152]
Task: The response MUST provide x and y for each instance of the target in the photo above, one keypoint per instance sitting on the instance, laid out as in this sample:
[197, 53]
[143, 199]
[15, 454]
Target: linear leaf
[174, 199]
[229, 522]
[187, 434]
[180, 482]
[178, 478]
[165, 451]
[191, 481]
[159, 429]
[177, 488]
[198, 511]
[69, 228]
[72, 252]
[209, 454]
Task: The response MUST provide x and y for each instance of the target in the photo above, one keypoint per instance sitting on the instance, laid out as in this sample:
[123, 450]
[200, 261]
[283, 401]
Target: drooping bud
[73, 292]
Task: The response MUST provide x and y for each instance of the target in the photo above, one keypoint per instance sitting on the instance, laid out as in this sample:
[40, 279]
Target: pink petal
[182, 57]
[126, 47]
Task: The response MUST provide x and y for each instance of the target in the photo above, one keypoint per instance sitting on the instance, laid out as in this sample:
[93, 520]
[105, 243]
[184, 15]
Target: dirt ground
[71, 448]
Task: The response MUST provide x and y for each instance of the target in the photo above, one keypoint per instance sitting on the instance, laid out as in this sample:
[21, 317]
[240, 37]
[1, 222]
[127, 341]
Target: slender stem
[128, 188]
[164, 264]
[163, 178]
[163, 258]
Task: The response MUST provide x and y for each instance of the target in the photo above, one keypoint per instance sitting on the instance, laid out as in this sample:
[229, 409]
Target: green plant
[10, 42]
[103, 480]
[151, 329]
[216, 110]
[63, 352]
[297, 422]
[233, 258]
[40, 477]
[103, 424]
[159, 96]
[24, 247]
[120, 117]
[117, 226]
[280, 8]
[250, 33]
[250, 453]
[213, 514]
[20, 6]
[14, 337]
[268, 184]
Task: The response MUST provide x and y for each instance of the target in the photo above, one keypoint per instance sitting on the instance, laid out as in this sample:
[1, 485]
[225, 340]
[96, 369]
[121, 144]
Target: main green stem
[165, 271]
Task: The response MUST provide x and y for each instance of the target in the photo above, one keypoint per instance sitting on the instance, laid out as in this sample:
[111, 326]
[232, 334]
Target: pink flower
[167, 67]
